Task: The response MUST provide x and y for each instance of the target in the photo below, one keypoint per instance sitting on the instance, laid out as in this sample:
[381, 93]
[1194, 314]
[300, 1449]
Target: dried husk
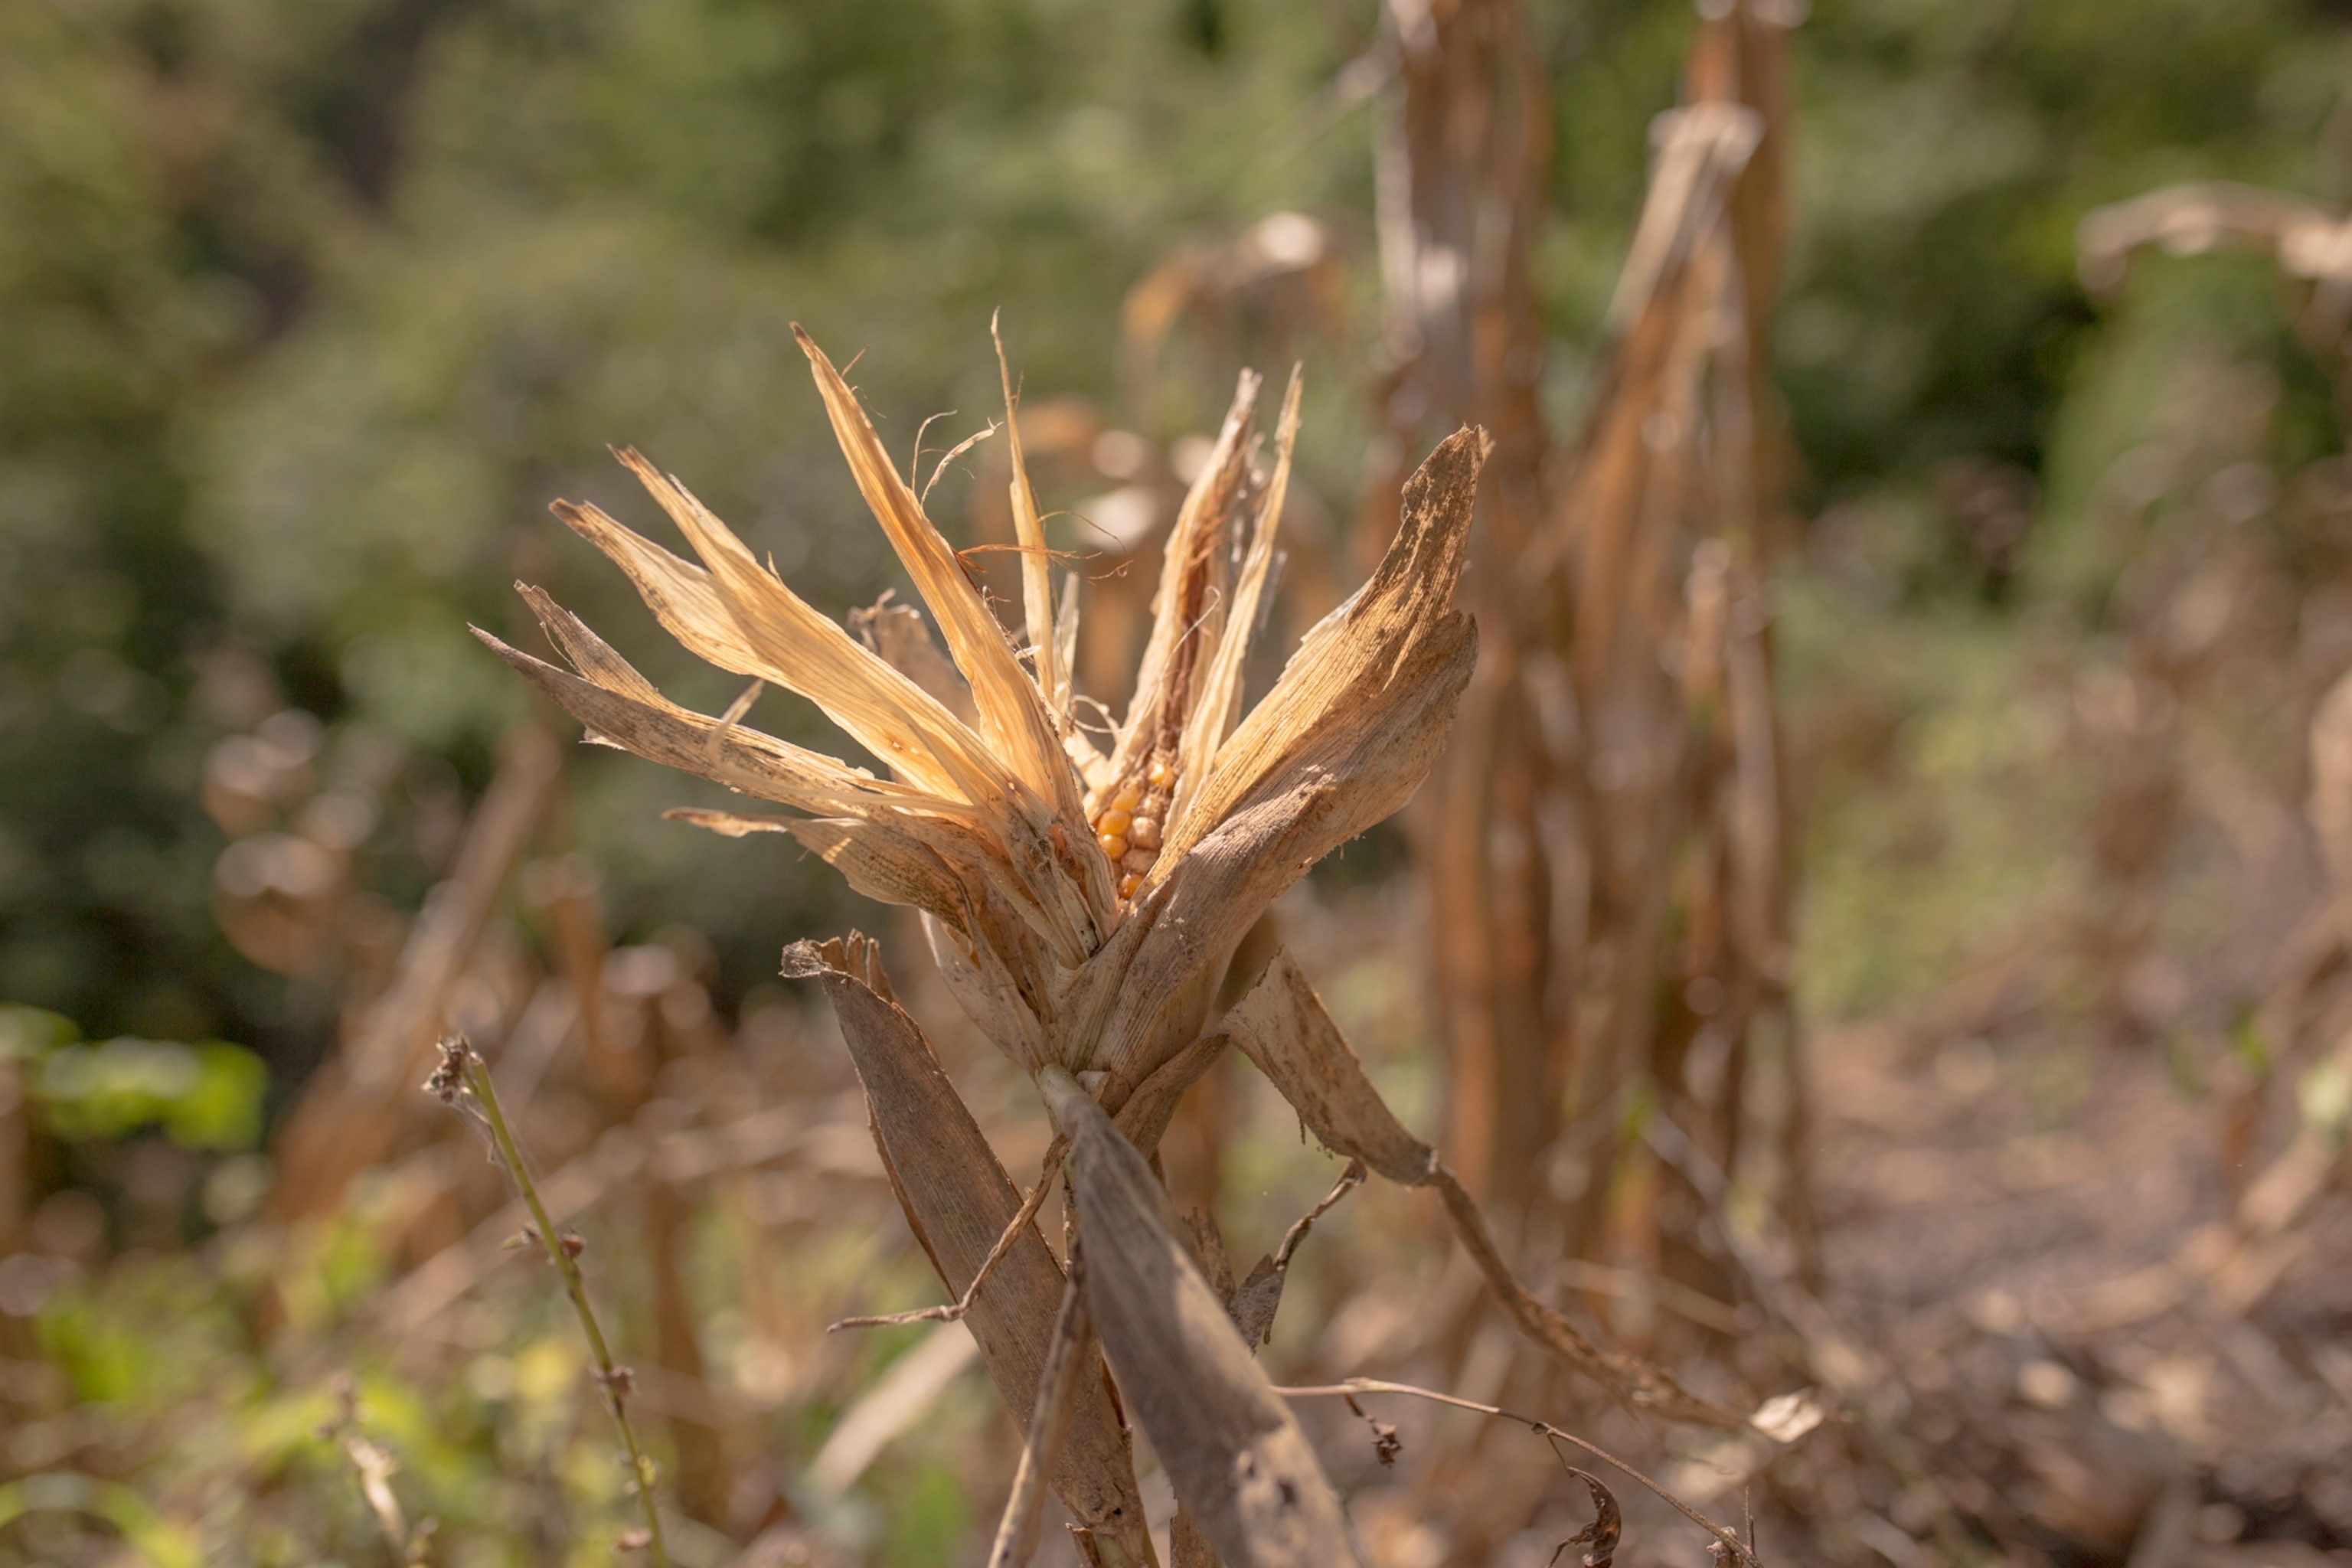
[1345, 737]
[1012, 717]
[982, 825]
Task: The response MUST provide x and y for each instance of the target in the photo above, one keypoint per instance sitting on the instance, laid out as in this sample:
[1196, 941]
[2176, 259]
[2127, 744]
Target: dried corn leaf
[1188, 605]
[960, 1201]
[1216, 701]
[1282, 1027]
[755, 626]
[1012, 710]
[903, 639]
[743, 760]
[877, 861]
[1036, 563]
[739, 611]
[1364, 657]
[1241, 1467]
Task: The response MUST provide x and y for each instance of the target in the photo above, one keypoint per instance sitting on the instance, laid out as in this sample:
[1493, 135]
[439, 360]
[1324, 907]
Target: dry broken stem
[1049, 1426]
[954, 1310]
[1348, 1390]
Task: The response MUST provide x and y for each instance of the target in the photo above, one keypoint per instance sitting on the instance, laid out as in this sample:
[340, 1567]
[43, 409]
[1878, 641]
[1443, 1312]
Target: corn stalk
[1605, 844]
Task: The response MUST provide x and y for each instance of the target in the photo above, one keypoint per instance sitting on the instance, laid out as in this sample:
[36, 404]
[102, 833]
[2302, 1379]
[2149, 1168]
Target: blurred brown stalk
[1605, 839]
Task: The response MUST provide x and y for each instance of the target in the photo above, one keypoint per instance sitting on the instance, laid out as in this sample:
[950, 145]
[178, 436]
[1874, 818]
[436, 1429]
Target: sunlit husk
[982, 825]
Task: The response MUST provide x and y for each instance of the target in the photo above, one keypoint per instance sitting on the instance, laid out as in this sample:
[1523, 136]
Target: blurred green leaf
[207, 1096]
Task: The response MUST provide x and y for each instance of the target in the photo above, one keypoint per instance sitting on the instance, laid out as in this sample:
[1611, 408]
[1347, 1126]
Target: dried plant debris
[1600, 1538]
[959, 1202]
[1386, 1444]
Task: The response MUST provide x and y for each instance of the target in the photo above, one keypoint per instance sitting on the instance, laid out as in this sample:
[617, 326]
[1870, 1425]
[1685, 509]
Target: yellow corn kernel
[1159, 775]
[1111, 844]
[1128, 884]
[1127, 799]
[1115, 821]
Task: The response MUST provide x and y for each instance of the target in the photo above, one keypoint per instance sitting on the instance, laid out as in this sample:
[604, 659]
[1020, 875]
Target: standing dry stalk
[1462, 149]
[1604, 841]
[1654, 570]
[1083, 905]
[462, 1082]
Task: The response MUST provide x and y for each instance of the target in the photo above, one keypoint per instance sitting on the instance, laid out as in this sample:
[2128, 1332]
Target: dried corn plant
[2214, 604]
[1605, 840]
[1654, 562]
[1460, 164]
[2233, 640]
[1082, 904]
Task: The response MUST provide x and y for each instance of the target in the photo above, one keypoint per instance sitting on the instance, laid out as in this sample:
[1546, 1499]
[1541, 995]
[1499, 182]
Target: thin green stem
[614, 1379]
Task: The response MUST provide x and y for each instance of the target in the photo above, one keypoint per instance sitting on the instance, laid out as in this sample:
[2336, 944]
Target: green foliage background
[307, 309]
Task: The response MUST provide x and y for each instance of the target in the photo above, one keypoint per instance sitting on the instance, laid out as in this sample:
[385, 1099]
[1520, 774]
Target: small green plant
[462, 1082]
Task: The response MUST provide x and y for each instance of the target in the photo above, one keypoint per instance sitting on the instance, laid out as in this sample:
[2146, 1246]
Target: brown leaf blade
[960, 1201]
[1349, 668]
[1241, 1467]
[1282, 1027]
